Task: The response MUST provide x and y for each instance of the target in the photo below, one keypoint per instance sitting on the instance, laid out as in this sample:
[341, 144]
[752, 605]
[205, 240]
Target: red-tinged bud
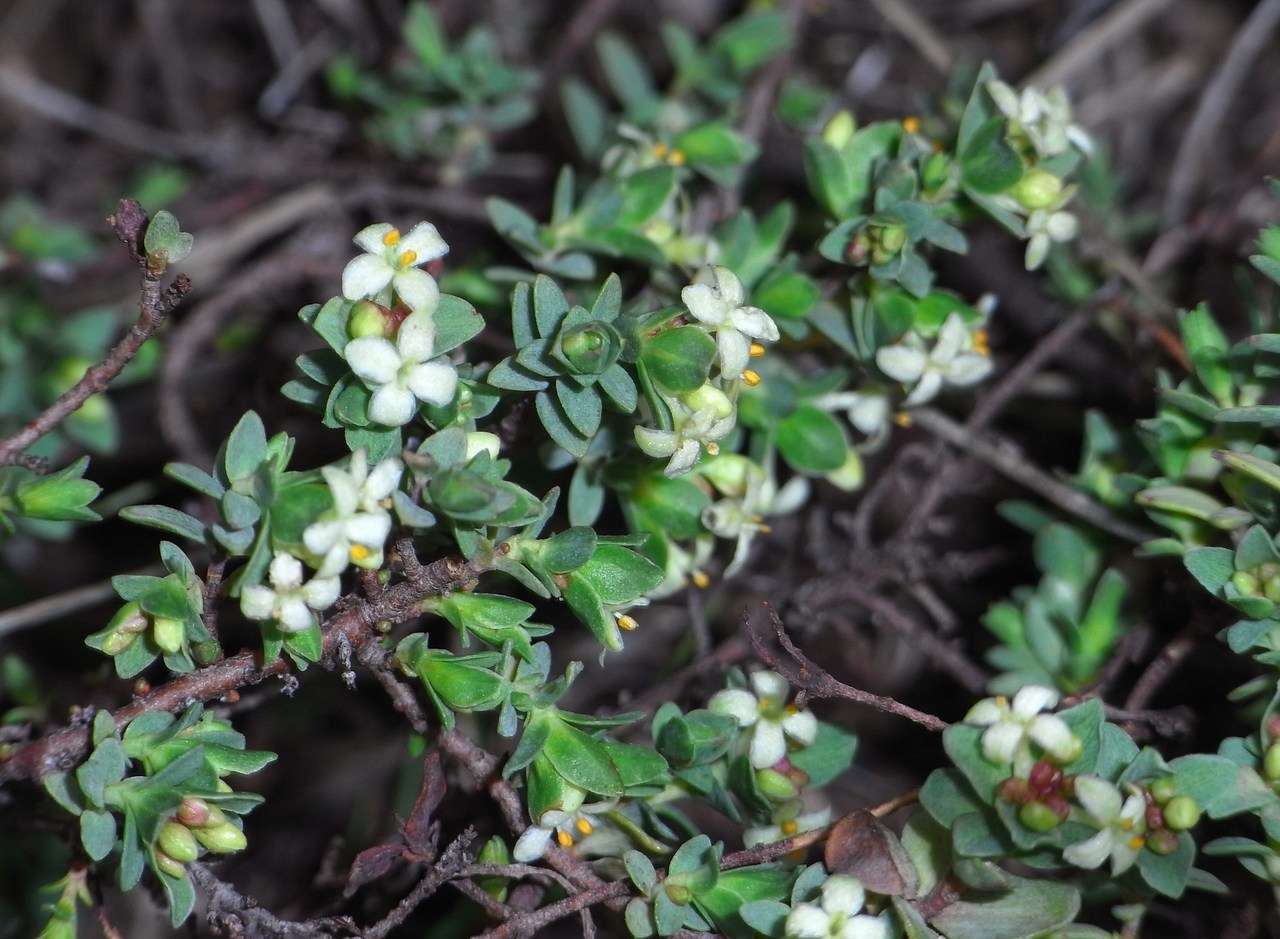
[1015, 790]
[194, 813]
[1058, 805]
[1162, 842]
[1038, 817]
[1155, 817]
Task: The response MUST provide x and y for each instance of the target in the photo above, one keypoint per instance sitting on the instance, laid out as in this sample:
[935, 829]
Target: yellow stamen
[981, 342]
[391, 238]
[792, 709]
[359, 552]
[911, 124]
[565, 839]
[660, 149]
[764, 529]
[789, 827]
[1127, 824]
[766, 702]
[902, 419]
[757, 350]
[700, 580]
[627, 623]
[676, 158]
[713, 448]
[583, 826]
[1136, 842]
[408, 257]
[1002, 701]
[751, 377]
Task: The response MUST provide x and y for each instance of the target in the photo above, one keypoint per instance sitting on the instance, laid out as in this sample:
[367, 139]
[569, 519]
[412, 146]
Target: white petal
[358, 466]
[1004, 96]
[769, 684]
[335, 559]
[768, 745]
[1053, 735]
[728, 286]
[968, 368]
[370, 237]
[434, 382]
[424, 240]
[320, 593]
[383, 480]
[368, 528]
[416, 337]
[683, 459]
[755, 323]
[1100, 798]
[986, 712]
[320, 537]
[802, 727]
[1032, 699]
[736, 703]
[392, 406]
[754, 836]
[1135, 808]
[655, 443]
[1062, 226]
[901, 363]
[869, 413]
[812, 821]
[735, 352]
[1091, 852]
[372, 358]
[1001, 742]
[532, 844]
[865, 927]
[951, 338]
[807, 921]
[295, 616]
[925, 390]
[364, 276]
[346, 495]
[285, 571]
[257, 601]
[418, 290]
[1037, 251]
[790, 497]
[1123, 853]
[843, 894]
[724, 519]
[705, 304]
[479, 441]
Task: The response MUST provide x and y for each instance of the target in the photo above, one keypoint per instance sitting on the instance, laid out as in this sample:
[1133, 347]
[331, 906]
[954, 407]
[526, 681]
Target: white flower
[744, 518]
[952, 361]
[868, 410]
[288, 601]
[1012, 729]
[1043, 117]
[720, 307]
[1044, 227]
[787, 828]
[567, 827]
[357, 527]
[683, 445]
[402, 374]
[390, 260]
[839, 914]
[1122, 825]
[768, 715]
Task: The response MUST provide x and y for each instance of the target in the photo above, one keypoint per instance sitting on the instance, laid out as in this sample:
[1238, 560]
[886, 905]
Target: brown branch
[154, 304]
[528, 923]
[232, 913]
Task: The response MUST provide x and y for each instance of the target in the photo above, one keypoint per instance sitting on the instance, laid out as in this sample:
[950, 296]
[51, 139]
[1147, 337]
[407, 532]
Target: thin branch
[232, 913]
[903, 17]
[1122, 20]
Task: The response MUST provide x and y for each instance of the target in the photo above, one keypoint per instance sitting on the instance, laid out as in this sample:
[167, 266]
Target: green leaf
[105, 766]
[1212, 567]
[619, 575]
[558, 425]
[246, 447]
[456, 322]
[165, 239]
[1167, 873]
[628, 76]
[582, 760]
[644, 193]
[1207, 346]
[830, 754]
[97, 833]
[679, 359]
[166, 519]
[714, 144]
[811, 441]
[988, 164]
[1030, 908]
[581, 405]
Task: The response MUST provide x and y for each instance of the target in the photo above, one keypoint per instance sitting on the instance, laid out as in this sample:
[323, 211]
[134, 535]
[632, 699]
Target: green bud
[1271, 763]
[849, 476]
[479, 440]
[1245, 582]
[1038, 189]
[1181, 813]
[1266, 570]
[935, 171]
[61, 496]
[177, 841]
[222, 839]
[840, 129]
[368, 319]
[892, 238]
[728, 472]
[591, 348]
[168, 865]
[678, 893]
[1071, 752]
[775, 786]
[1271, 589]
[1163, 789]
[1038, 817]
[117, 642]
[168, 633]
[129, 618]
[1162, 842]
[709, 398]
[495, 851]
[193, 812]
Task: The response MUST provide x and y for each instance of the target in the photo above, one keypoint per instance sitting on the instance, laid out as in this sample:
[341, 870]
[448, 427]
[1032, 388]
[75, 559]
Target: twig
[154, 304]
[1161, 667]
[454, 859]
[1006, 458]
[818, 683]
[234, 914]
[61, 604]
[1248, 44]
[527, 924]
[1090, 43]
[917, 31]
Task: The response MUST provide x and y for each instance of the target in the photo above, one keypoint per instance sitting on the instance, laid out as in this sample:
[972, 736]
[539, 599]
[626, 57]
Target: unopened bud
[892, 238]
[775, 786]
[710, 399]
[117, 642]
[1162, 842]
[1014, 790]
[168, 633]
[1163, 789]
[176, 840]
[222, 839]
[129, 618]
[1271, 589]
[194, 813]
[1038, 817]
[1038, 189]
[1245, 582]
[369, 319]
[839, 129]
[168, 865]
[1182, 813]
[1271, 763]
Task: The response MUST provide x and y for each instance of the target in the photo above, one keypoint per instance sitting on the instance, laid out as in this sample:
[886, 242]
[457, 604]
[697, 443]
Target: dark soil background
[93, 92]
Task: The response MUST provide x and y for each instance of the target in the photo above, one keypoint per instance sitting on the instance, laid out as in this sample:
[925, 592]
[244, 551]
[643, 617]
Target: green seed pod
[168, 633]
[775, 786]
[368, 319]
[1038, 817]
[222, 839]
[177, 841]
[1163, 789]
[1037, 189]
[1181, 813]
[168, 865]
[1245, 582]
[1271, 763]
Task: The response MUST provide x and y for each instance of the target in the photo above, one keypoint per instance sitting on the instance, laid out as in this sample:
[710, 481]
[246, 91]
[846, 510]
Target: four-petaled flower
[952, 361]
[682, 446]
[392, 260]
[566, 827]
[289, 601]
[787, 827]
[838, 915]
[357, 527]
[1011, 729]
[744, 518]
[768, 715]
[1045, 226]
[1121, 821]
[716, 301]
[1043, 117]
[401, 374]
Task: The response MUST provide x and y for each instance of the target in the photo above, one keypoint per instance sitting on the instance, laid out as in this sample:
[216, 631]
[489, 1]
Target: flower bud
[168, 865]
[1163, 789]
[678, 893]
[1038, 189]
[728, 472]
[222, 839]
[1014, 790]
[176, 840]
[1271, 762]
[1181, 813]
[1038, 817]
[478, 441]
[117, 642]
[193, 812]
[1271, 589]
[711, 399]
[839, 130]
[129, 618]
[935, 171]
[369, 319]
[168, 633]
[775, 786]
[1162, 842]
[1245, 582]
[892, 238]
